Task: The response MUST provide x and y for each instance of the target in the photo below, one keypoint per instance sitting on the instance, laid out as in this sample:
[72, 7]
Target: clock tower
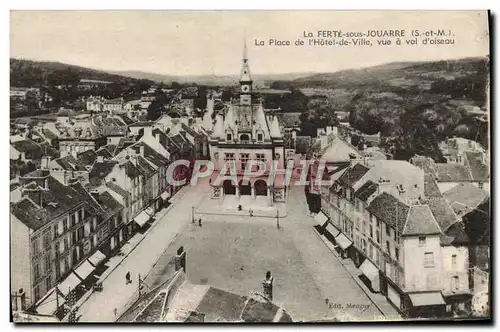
[245, 80]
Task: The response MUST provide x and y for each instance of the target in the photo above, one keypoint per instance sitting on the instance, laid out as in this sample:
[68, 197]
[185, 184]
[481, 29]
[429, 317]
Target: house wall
[418, 277]
[20, 258]
[460, 269]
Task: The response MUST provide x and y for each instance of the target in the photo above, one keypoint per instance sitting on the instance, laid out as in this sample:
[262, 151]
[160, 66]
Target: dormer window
[229, 137]
[260, 137]
[244, 138]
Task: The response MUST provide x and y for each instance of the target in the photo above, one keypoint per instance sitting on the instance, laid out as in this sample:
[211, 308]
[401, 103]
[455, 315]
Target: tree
[155, 110]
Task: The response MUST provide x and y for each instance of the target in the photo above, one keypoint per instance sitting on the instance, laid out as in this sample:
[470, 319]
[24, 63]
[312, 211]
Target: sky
[211, 42]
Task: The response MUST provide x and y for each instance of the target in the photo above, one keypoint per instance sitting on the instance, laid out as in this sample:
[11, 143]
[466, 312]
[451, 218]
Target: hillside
[28, 73]
[414, 105]
[209, 80]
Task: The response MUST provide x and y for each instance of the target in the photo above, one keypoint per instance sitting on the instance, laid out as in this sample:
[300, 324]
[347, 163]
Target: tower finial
[245, 55]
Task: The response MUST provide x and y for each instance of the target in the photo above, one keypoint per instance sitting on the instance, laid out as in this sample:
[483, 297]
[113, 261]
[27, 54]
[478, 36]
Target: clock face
[245, 88]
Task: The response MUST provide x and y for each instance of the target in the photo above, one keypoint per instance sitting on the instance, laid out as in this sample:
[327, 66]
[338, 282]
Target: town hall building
[245, 131]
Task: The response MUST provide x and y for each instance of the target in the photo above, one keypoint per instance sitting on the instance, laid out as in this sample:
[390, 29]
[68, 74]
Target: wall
[460, 269]
[20, 258]
[417, 277]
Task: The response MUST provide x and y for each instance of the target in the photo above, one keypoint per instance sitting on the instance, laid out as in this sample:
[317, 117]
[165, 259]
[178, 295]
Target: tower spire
[245, 52]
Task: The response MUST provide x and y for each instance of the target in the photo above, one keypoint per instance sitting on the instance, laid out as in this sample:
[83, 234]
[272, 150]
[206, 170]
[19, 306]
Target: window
[396, 252]
[74, 237]
[429, 259]
[34, 247]
[229, 137]
[73, 219]
[46, 239]
[228, 156]
[259, 137]
[363, 245]
[421, 240]
[57, 248]
[480, 185]
[378, 236]
[388, 247]
[454, 283]
[244, 138]
[378, 223]
[454, 261]
[80, 233]
[48, 282]
[81, 214]
[244, 157]
[47, 263]
[371, 231]
[66, 244]
[387, 230]
[260, 157]
[37, 292]
[37, 271]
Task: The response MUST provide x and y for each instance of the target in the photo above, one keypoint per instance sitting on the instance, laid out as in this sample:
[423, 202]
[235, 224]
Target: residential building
[113, 106]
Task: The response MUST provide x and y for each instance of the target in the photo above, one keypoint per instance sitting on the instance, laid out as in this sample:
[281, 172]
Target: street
[115, 294]
[233, 253]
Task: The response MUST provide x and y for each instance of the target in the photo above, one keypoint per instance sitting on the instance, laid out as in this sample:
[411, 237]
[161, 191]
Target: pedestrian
[127, 278]
[251, 212]
[199, 222]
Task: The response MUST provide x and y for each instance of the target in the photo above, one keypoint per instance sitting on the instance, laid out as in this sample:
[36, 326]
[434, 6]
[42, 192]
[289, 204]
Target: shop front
[427, 305]
[343, 244]
[371, 275]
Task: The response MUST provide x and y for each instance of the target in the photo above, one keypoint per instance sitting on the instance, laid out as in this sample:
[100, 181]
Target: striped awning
[423, 299]
[342, 241]
[97, 258]
[142, 218]
[84, 270]
[320, 218]
[69, 284]
[165, 195]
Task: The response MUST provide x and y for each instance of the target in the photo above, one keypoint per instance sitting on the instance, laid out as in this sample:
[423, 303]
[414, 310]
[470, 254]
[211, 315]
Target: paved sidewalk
[100, 306]
[378, 299]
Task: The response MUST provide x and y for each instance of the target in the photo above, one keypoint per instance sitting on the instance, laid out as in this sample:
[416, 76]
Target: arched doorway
[260, 188]
[245, 189]
[229, 187]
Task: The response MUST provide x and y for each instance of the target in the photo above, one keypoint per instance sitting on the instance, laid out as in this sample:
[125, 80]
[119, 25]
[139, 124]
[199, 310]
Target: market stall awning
[150, 211]
[69, 283]
[84, 270]
[165, 195]
[332, 229]
[423, 299]
[48, 305]
[371, 272]
[142, 218]
[97, 258]
[342, 241]
[320, 218]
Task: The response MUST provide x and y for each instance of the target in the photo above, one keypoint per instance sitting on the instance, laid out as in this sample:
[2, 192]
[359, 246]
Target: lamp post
[277, 219]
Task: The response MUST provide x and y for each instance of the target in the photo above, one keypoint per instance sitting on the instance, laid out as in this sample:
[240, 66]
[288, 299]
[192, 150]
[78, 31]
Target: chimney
[180, 259]
[148, 131]
[45, 162]
[95, 195]
[100, 159]
[267, 284]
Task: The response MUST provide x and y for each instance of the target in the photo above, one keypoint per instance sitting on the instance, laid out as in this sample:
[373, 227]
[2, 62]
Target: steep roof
[452, 173]
[366, 190]
[479, 171]
[353, 175]
[119, 190]
[107, 151]
[443, 212]
[27, 146]
[109, 204]
[466, 194]
[100, 170]
[338, 151]
[431, 188]
[289, 120]
[69, 163]
[420, 221]
[87, 157]
[455, 235]
[55, 200]
[390, 210]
